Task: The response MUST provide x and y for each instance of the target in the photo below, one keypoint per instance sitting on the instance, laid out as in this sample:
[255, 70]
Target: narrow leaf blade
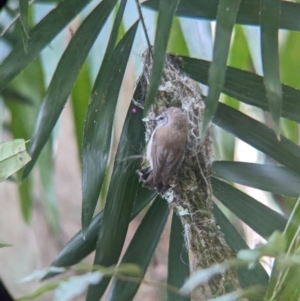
[140, 250]
[101, 76]
[244, 86]
[259, 217]
[78, 247]
[122, 189]
[248, 13]
[273, 178]
[227, 11]
[40, 36]
[80, 97]
[166, 12]
[64, 77]
[23, 5]
[100, 117]
[259, 136]
[270, 12]
[178, 260]
[46, 168]
[25, 189]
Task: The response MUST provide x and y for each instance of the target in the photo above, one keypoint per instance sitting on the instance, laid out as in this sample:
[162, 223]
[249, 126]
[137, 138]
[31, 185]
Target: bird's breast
[149, 147]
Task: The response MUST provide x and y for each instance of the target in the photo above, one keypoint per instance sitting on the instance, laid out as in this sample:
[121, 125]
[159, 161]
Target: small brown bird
[166, 149]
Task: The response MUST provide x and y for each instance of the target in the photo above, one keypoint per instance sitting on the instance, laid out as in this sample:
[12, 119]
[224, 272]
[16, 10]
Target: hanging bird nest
[190, 195]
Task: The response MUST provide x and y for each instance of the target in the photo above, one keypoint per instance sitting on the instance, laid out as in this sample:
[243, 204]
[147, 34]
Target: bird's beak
[153, 119]
[147, 119]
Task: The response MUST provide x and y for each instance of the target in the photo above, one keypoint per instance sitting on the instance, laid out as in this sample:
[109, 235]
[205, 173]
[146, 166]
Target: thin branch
[143, 24]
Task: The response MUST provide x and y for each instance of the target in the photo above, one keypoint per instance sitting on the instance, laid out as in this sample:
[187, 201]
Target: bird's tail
[146, 176]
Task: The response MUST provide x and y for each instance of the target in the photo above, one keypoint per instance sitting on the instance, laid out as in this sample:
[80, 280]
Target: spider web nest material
[190, 193]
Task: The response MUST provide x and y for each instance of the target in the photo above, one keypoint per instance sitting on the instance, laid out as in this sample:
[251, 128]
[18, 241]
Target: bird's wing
[165, 160]
[158, 155]
[172, 163]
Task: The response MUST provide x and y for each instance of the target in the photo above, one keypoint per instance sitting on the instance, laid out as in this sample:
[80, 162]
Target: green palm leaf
[249, 12]
[40, 36]
[65, 76]
[99, 121]
[140, 250]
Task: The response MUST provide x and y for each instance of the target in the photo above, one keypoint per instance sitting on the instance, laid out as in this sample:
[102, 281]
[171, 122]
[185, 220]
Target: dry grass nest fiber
[190, 192]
